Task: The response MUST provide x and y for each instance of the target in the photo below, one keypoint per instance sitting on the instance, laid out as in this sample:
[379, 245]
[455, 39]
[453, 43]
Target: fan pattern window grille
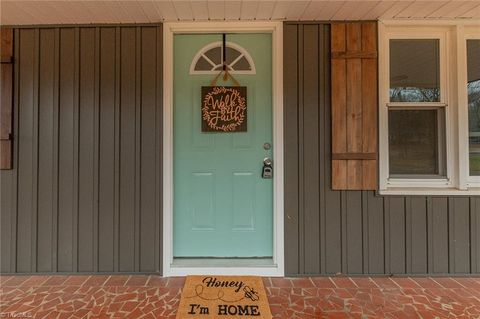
[209, 59]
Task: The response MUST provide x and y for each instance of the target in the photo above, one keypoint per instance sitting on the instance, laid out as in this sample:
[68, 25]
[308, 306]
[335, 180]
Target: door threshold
[222, 262]
[224, 266]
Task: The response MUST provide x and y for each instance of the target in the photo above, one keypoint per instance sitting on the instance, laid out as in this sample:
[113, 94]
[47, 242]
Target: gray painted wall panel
[322, 154]
[27, 139]
[475, 234]
[89, 135]
[106, 186]
[46, 144]
[374, 234]
[333, 233]
[149, 160]
[127, 150]
[67, 172]
[6, 217]
[438, 229]
[359, 231]
[86, 167]
[460, 234]
[353, 230]
[396, 235]
[311, 160]
[416, 221]
[301, 154]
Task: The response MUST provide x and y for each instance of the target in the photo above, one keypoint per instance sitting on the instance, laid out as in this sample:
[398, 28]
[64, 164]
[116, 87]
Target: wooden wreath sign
[224, 109]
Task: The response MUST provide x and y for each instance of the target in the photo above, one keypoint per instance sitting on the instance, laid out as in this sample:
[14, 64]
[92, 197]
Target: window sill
[429, 191]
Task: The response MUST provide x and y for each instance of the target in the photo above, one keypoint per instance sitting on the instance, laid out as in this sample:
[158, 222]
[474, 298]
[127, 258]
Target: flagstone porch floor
[139, 296]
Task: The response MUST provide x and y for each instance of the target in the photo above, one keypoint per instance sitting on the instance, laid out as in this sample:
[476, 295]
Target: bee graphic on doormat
[250, 293]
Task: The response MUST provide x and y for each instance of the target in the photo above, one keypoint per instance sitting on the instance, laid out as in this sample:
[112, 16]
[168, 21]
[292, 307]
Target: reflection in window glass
[414, 70]
[473, 89]
[416, 142]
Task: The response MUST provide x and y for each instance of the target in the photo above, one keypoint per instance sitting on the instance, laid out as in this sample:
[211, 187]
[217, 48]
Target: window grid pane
[416, 143]
[414, 70]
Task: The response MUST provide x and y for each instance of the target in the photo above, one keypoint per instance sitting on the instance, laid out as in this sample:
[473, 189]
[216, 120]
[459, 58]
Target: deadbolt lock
[267, 170]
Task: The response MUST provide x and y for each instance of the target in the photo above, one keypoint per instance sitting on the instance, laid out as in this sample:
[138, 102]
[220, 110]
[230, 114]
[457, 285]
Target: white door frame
[276, 29]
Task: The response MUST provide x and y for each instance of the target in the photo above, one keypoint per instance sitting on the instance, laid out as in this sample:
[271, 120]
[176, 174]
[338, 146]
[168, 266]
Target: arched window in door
[208, 59]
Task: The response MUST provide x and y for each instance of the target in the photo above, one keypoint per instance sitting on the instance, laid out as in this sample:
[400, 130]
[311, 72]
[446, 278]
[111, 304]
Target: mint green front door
[222, 205]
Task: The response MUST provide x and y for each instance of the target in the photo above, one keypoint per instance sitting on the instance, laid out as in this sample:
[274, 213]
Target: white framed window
[427, 134]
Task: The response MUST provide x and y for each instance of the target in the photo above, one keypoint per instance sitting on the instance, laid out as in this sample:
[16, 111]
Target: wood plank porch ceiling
[18, 12]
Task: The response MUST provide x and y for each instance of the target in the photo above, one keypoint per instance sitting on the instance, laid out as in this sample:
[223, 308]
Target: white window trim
[452, 36]
[243, 53]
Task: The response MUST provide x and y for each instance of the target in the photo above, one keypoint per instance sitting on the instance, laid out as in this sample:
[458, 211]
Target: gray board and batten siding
[356, 232]
[85, 194]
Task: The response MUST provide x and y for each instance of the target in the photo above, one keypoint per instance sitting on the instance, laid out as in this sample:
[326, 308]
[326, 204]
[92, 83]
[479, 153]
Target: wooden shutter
[354, 105]
[6, 99]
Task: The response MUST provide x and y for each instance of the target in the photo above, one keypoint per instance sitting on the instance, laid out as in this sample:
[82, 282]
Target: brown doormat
[223, 297]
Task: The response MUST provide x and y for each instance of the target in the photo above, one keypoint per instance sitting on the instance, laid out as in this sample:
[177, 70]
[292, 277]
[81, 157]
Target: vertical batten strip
[430, 238]
[301, 149]
[311, 150]
[116, 223]
[34, 159]
[323, 79]
[26, 138]
[16, 94]
[106, 188]
[375, 235]
[127, 150]
[451, 234]
[96, 150]
[387, 237]
[158, 253]
[384, 237]
[76, 120]
[147, 138]
[343, 231]
[65, 149]
[365, 232]
[475, 234]
[138, 148]
[55, 155]
[46, 138]
[408, 235]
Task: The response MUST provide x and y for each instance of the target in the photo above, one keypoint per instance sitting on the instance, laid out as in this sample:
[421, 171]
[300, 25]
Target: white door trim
[276, 28]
